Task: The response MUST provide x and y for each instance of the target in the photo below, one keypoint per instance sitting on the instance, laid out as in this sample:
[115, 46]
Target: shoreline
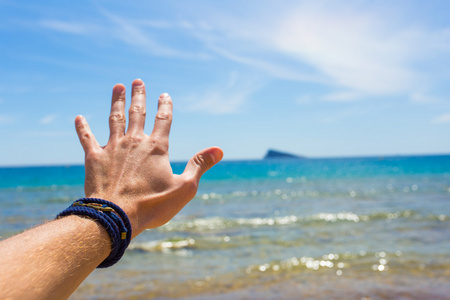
[319, 285]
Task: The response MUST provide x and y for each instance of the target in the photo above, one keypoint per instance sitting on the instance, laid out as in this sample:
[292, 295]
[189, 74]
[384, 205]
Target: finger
[117, 120]
[163, 119]
[137, 108]
[87, 139]
[202, 162]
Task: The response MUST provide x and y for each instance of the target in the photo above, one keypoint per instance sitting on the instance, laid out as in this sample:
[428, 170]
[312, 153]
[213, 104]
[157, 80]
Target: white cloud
[304, 99]
[50, 134]
[336, 116]
[348, 46]
[4, 119]
[343, 96]
[269, 67]
[423, 98]
[357, 47]
[227, 99]
[441, 119]
[67, 26]
[353, 48]
[132, 33]
[47, 119]
[159, 24]
[127, 30]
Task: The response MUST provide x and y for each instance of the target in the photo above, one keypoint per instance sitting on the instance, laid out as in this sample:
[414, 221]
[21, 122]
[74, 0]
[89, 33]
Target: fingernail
[164, 95]
[216, 155]
[119, 88]
[138, 82]
[78, 119]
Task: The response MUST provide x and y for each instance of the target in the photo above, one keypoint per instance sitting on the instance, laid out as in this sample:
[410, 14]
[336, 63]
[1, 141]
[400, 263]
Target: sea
[336, 228]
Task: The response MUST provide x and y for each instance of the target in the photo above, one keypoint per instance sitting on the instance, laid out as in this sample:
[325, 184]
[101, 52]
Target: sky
[314, 78]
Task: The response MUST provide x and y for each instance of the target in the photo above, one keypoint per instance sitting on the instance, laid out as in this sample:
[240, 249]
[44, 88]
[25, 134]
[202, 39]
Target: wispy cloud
[133, 33]
[355, 49]
[343, 114]
[441, 119]
[68, 26]
[47, 119]
[349, 47]
[227, 99]
[423, 98]
[50, 134]
[346, 96]
[5, 119]
[270, 68]
[304, 99]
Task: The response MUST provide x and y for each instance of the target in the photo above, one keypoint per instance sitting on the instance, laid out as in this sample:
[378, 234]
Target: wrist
[111, 217]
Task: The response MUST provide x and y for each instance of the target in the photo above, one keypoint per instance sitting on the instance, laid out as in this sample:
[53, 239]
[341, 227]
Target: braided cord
[118, 226]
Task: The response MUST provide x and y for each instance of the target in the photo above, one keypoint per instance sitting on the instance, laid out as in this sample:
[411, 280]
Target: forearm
[51, 261]
[133, 172]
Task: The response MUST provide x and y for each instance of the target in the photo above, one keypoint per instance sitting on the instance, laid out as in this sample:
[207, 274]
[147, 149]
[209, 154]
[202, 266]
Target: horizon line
[79, 164]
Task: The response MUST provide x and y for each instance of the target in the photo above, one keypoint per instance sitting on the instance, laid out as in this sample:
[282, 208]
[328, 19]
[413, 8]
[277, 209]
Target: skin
[133, 171]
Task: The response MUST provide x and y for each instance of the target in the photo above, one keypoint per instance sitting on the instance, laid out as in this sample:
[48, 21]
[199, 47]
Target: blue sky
[316, 78]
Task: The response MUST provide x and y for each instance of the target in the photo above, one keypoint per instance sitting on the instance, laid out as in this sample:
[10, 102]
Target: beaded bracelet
[111, 217]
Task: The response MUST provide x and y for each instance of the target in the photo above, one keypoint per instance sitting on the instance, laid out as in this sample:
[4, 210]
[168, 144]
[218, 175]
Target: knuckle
[163, 116]
[138, 90]
[139, 109]
[165, 101]
[136, 139]
[117, 118]
[203, 161]
[158, 148]
[81, 127]
[120, 98]
[86, 136]
[199, 160]
[132, 141]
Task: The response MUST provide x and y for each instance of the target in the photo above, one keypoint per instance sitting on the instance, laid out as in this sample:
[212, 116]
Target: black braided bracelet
[117, 225]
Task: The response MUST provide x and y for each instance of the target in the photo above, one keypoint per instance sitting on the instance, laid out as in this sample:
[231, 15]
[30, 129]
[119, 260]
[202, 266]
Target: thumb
[202, 162]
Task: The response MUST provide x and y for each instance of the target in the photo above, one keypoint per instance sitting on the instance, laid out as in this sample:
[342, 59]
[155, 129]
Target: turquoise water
[316, 228]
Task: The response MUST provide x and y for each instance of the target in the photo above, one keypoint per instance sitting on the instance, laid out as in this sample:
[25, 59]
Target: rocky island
[275, 154]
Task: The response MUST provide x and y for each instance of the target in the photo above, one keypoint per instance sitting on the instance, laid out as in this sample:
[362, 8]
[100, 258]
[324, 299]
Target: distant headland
[271, 154]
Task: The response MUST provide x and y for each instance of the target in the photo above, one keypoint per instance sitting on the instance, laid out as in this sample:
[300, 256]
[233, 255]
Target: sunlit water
[355, 228]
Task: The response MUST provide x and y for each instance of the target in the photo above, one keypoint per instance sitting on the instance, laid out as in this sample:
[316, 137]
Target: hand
[133, 169]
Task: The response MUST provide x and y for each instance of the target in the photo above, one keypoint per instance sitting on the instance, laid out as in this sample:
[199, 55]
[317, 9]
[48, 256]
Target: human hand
[133, 169]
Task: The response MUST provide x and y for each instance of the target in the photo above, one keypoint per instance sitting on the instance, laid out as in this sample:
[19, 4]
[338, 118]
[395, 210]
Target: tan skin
[133, 171]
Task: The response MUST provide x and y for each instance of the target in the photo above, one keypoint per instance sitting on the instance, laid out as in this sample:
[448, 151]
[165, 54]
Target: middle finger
[137, 109]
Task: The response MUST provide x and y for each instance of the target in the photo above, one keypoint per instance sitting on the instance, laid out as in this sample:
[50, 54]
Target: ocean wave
[378, 261]
[163, 245]
[41, 188]
[381, 261]
[216, 233]
[318, 189]
[219, 223]
[339, 271]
